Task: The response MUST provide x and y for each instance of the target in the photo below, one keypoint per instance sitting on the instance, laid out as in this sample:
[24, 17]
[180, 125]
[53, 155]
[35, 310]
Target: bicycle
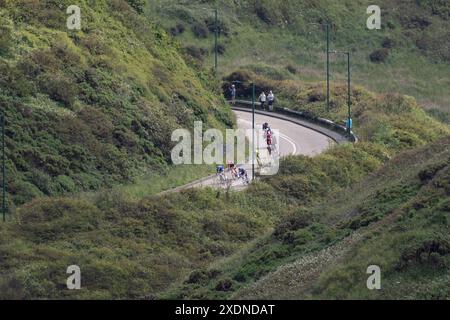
[222, 178]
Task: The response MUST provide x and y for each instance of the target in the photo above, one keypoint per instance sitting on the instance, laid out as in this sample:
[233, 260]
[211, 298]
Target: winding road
[294, 139]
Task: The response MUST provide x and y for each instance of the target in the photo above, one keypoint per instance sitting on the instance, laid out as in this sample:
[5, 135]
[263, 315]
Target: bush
[59, 88]
[415, 22]
[379, 55]
[429, 252]
[137, 5]
[293, 223]
[221, 49]
[263, 13]
[388, 43]
[5, 39]
[291, 69]
[428, 173]
[225, 285]
[200, 30]
[196, 52]
[178, 29]
[23, 192]
[50, 219]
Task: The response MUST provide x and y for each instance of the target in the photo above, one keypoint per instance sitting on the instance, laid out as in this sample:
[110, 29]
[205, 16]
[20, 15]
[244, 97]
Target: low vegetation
[91, 109]
[88, 119]
[409, 55]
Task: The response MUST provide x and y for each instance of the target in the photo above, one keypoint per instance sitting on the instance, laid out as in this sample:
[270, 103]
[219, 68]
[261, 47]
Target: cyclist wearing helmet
[269, 142]
[243, 174]
[233, 169]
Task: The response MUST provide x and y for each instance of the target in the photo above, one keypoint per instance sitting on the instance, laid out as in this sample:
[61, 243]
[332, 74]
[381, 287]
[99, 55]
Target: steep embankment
[397, 218]
[135, 248]
[132, 248]
[92, 108]
[334, 213]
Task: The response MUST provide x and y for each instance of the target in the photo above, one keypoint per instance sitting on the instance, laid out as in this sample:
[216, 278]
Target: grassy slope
[276, 34]
[90, 109]
[129, 246]
[396, 218]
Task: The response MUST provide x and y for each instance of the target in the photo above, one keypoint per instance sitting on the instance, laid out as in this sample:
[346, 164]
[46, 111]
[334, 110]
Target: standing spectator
[263, 99]
[271, 98]
[233, 94]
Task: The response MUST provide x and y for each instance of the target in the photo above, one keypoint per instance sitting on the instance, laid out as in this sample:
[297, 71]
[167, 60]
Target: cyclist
[220, 171]
[266, 129]
[269, 142]
[243, 175]
[233, 169]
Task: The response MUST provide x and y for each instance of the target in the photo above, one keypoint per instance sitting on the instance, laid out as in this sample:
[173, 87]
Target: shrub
[23, 192]
[388, 43]
[49, 219]
[428, 173]
[200, 30]
[316, 96]
[415, 22]
[225, 285]
[59, 88]
[137, 5]
[211, 25]
[196, 52]
[428, 252]
[178, 29]
[221, 49]
[293, 223]
[291, 69]
[379, 55]
[5, 39]
[263, 13]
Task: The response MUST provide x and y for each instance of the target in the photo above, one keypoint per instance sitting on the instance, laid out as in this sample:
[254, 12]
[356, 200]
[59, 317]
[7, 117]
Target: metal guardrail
[325, 123]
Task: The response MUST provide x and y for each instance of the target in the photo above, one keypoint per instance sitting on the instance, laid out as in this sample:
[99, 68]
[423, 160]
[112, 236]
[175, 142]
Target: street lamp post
[253, 125]
[216, 38]
[349, 101]
[253, 131]
[216, 35]
[349, 92]
[4, 207]
[328, 67]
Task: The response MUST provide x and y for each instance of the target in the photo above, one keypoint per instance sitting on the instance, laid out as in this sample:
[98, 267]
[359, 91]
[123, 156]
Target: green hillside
[92, 108]
[201, 243]
[89, 117]
[410, 54]
[396, 218]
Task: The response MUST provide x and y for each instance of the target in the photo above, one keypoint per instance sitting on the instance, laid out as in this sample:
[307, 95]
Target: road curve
[294, 140]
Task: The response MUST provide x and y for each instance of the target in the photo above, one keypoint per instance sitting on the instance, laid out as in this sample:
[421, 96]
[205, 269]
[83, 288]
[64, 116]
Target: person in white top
[271, 98]
[263, 99]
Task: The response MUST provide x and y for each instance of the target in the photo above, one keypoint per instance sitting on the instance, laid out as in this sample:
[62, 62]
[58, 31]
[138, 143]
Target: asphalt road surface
[294, 139]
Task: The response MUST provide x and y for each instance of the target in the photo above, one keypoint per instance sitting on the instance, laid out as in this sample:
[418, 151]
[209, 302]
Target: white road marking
[283, 136]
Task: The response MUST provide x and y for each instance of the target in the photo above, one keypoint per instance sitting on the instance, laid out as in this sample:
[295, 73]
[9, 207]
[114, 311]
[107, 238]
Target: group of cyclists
[239, 172]
[236, 173]
[268, 135]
